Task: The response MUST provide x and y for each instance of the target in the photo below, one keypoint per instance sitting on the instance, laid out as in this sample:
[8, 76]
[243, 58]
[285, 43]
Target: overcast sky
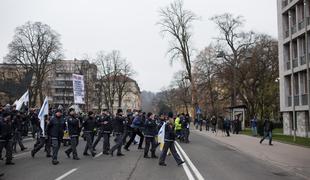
[88, 26]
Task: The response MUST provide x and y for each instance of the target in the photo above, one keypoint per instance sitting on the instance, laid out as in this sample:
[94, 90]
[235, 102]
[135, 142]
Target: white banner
[42, 113]
[23, 100]
[78, 88]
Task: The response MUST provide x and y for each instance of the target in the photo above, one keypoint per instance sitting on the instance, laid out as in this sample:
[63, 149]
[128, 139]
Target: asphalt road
[205, 159]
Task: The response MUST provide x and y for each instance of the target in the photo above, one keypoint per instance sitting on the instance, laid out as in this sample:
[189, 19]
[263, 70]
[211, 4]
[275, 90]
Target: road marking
[98, 155]
[185, 167]
[66, 174]
[190, 163]
[21, 154]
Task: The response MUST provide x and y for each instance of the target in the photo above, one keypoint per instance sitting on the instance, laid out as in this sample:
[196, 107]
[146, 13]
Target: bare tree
[234, 45]
[123, 85]
[176, 22]
[206, 69]
[183, 89]
[34, 46]
[115, 77]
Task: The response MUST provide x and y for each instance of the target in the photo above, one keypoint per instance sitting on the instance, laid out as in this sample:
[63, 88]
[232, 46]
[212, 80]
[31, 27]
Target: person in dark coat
[105, 129]
[6, 135]
[169, 143]
[98, 129]
[150, 133]
[17, 131]
[118, 128]
[213, 122]
[56, 129]
[268, 127]
[74, 133]
[89, 126]
[227, 126]
[137, 126]
[43, 139]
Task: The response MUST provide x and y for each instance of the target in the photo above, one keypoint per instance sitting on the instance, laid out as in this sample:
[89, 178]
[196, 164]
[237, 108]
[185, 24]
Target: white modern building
[294, 56]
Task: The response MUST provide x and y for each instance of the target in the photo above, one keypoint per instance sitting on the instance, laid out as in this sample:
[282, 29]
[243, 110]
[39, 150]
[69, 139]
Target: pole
[307, 62]
[292, 75]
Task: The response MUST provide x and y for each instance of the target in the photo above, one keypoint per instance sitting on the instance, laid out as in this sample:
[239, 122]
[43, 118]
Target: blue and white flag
[22, 100]
[161, 136]
[42, 113]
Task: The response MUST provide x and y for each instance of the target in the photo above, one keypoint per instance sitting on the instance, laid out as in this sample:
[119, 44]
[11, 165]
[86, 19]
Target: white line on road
[190, 163]
[66, 174]
[185, 167]
[98, 155]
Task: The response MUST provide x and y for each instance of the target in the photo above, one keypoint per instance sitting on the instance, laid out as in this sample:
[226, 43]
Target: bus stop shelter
[235, 111]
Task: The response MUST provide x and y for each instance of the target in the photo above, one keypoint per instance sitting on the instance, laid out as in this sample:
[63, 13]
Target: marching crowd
[66, 127]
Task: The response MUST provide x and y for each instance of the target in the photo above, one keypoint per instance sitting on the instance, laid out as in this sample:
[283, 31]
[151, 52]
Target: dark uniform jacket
[56, 127]
[118, 124]
[73, 126]
[89, 124]
[169, 132]
[150, 128]
[6, 130]
[17, 123]
[105, 124]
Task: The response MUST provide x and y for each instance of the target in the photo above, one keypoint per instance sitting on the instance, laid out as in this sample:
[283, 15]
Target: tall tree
[176, 22]
[115, 77]
[234, 44]
[182, 91]
[34, 46]
[206, 69]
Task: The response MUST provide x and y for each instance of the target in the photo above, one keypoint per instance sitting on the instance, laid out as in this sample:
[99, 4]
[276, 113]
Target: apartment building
[60, 84]
[294, 49]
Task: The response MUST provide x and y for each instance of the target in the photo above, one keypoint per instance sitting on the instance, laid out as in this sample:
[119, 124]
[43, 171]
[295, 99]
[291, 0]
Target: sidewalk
[292, 158]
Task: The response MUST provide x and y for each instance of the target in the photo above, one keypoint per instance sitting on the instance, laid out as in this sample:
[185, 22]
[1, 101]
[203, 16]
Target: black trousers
[132, 138]
[7, 144]
[169, 145]
[74, 140]
[100, 135]
[150, 141]
[40, 143]
[89, 137]
[118, 145]
[17, 138]
[186, 135]
[227, 131]
[106, 142]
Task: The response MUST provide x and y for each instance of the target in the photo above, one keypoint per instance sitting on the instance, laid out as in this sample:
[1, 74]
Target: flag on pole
[22, 100]
[161, 136]
[42, 113]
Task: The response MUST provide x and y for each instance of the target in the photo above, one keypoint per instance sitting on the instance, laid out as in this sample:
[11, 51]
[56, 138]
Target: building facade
[60, 84]
[130, 101]
[294, 49]
[14, 82]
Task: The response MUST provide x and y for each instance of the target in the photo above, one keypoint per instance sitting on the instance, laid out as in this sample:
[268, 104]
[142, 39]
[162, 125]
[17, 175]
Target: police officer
[99, 120]
[56, 129]
[150, 133]
[17, 128]
[128, 129]
[89, 125]
[185, 127]
[74, 132]
[118, 127]
[43, 139]
[107, 129]
[169, 143]
[6, 134]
